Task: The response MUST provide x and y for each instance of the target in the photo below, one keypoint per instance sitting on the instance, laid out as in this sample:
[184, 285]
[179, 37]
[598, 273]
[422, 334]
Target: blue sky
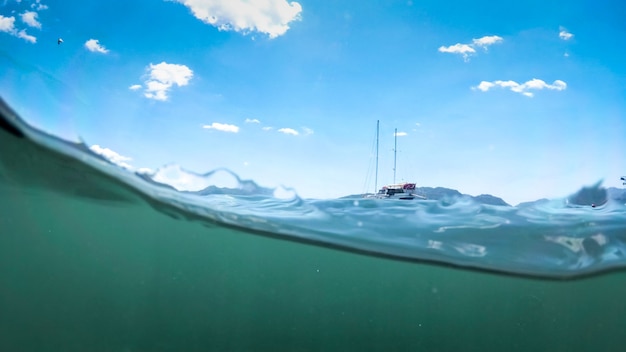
[519, 99]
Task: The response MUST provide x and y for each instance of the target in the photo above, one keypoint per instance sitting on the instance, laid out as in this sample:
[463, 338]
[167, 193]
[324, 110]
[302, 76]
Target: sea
[96, 257]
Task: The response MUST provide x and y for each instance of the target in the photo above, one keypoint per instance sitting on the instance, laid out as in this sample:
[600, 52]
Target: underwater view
[94, 257]
[381, 176]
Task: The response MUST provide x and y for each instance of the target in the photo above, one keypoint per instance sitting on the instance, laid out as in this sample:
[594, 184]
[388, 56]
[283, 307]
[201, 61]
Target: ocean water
[94, 257]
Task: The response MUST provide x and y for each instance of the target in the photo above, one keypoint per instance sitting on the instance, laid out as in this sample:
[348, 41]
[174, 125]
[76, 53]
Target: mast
[376, 174]
[395, 150]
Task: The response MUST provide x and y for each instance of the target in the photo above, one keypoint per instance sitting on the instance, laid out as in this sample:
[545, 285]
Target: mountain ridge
[593, 195]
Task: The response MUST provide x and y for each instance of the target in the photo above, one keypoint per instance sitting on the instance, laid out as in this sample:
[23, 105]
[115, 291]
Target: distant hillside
[248, 188]
[442, 193]
[244, 191]
[618, 194]
[587, 196]
[597, 195]
[533, 203]
[489, 199]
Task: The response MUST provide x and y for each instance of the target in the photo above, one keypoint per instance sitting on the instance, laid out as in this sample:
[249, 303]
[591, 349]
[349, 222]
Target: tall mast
[395, 150]
[376, 177]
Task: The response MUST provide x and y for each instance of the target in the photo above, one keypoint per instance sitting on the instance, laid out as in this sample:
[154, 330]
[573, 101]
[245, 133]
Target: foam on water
[549, 239]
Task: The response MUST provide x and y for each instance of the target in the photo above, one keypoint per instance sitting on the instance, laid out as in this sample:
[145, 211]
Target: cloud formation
[564, 34]
[30, 18]
[162, 77]
[290, 131]
[458, 48]
[27, 37]
[37, 5]
[222, 127]
[7, 25]
[94, 46]
[271, 17]
[524, 88]
[465, 50]
[252, 121]
[184, 180]
[112, 156]
[485, 41]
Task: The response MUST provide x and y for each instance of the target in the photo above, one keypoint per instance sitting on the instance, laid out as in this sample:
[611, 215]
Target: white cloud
[401, 134]
[271, 17]
[267, 128]
[145, 170]
[94, 46]
[27, 37]
[252, 121]
[7, 24]
[179, 178]
[162, 77]
[135, 87]
[184, 180]
[466, 50]
[484, 86]
[290, 131]
[564, 34]
[222, 127]
[524, 88]
[307, 131]
[30, 18]
[38, 6]
[458, 48]
[112, 156]
[485, 41]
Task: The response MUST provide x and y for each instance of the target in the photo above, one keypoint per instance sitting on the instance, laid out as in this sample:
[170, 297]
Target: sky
[519, 99]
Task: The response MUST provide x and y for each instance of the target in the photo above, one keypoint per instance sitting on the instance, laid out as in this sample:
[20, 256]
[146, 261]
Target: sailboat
[404, 190]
